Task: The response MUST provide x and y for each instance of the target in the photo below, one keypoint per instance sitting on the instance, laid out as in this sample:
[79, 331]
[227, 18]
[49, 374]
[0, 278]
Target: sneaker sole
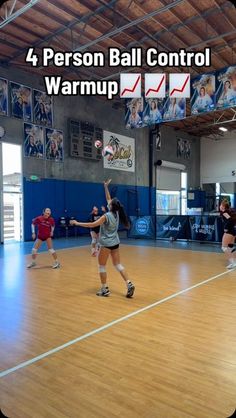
[103, 295]
[131, 292]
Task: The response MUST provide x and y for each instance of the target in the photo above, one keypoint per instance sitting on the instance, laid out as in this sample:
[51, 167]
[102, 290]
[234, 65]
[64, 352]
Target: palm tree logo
[114, 142]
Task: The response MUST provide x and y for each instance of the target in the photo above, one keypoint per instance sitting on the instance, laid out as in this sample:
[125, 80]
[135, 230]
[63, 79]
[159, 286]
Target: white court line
[110, 324]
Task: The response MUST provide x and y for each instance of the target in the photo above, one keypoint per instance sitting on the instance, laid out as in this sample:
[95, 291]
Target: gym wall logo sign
[233, 171]
[142, 226]
[172, 227]
[124, 152]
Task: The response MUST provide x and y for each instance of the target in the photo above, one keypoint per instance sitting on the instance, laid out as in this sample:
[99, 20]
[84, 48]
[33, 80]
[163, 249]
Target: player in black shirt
[94, 232]
[228, 239]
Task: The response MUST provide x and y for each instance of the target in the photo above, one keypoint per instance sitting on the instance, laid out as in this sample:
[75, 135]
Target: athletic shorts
[43, 238]
[230, 231]
[229, 228]
[114, 247]
[96, 229]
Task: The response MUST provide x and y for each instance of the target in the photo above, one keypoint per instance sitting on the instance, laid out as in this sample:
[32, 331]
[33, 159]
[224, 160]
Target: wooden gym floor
[170, 352]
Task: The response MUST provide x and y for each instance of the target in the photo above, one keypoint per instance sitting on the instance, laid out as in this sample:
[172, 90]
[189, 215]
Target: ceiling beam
[18, 13]
[80, 19]
[129, 25]
[194, 31]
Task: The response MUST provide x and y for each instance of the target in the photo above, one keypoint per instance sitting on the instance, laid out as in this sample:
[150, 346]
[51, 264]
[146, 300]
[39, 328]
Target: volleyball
[98, 144]
[108, 152]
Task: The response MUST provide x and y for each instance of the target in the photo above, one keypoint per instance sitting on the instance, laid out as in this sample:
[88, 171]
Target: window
[183, 196]
[167, 202]
[171, 195]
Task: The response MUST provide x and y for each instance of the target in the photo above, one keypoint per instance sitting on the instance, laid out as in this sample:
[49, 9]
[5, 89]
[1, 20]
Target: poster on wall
[183, 148]
[226, 87]
[155, 136]
[203, 90]
[3, 97]
[174, 108]
[124, 152]
[54, 145]
[20, 101]
[153, 111]
[33, 141]
[134, 113]
[42, 108]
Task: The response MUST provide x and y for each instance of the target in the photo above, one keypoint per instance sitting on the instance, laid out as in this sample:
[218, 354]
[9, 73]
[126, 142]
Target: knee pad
[231, 248]
[119, 267]
[94, 241]
[34, 251]
[228, 249]
[51, 250]
[102, 269]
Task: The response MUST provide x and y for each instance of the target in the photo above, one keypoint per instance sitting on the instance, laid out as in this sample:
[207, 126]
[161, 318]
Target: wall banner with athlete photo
[183, 148]
[42, 108]
[226, 87]
[20, 101]
[34, 144]
[153, 111]
[123, 149]
[174, 108]
[54, 145]
[134, 113]
[3, 97]
[203, 90]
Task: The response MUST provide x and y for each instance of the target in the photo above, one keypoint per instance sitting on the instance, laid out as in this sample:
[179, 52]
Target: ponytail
[116, 206]
[123, 217]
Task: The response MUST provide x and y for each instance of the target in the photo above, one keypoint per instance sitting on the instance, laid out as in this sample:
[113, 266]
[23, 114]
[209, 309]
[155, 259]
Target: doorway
[11, 193]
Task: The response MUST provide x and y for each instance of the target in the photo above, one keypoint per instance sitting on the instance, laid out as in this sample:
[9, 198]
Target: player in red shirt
[45, 224]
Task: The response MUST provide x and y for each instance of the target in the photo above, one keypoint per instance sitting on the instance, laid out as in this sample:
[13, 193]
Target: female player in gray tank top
[109, 241]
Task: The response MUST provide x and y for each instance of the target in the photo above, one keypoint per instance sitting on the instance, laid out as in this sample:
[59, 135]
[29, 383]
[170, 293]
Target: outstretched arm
[107, 193]
[99, 222]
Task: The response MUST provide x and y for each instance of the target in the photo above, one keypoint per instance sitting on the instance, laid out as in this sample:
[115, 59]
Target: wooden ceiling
[96, 25]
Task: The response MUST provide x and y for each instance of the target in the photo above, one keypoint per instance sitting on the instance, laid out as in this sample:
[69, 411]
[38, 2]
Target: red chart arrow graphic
[158, 87]
[133, 88]
[182, 88]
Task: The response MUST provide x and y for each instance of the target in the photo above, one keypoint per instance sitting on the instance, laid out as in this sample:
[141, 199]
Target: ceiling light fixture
[223, 129]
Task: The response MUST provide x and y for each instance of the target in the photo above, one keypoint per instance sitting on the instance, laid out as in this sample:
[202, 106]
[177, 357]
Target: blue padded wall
[74, 198]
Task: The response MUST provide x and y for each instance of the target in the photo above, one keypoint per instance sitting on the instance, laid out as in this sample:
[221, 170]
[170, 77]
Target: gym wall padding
[74, 198]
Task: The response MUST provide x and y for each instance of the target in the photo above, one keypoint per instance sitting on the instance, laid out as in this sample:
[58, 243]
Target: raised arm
[100, 221]
[107, 193]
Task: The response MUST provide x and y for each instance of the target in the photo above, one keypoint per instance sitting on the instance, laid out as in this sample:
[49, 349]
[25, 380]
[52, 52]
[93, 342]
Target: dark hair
[44, 209]
[202, 88]
[116, 206]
